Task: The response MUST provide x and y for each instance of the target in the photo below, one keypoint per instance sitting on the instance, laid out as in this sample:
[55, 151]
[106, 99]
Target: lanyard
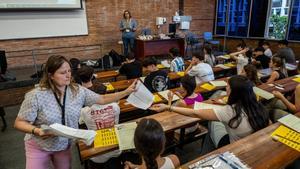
[63, 121]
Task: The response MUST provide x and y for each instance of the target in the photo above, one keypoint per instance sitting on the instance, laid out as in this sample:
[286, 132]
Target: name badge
[127, 30]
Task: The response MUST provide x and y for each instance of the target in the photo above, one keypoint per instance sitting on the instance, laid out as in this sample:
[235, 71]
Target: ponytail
[151, 162]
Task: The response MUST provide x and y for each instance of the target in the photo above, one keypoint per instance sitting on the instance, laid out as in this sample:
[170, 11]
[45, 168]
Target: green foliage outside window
[277, 27]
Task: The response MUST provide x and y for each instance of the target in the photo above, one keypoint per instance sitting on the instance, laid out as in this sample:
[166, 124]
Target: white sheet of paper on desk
[142, 79]
[262, 93]
[290, 66]
[222, 66]
[142, 98]
[165, 63]
[87, 136]
[297, 75]
[291, 121]
[218, 83]
[201, 106]
[125, 135]
[164, 94]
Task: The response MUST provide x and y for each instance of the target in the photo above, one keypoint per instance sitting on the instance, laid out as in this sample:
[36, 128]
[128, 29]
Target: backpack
[106, 61]
[117, 59]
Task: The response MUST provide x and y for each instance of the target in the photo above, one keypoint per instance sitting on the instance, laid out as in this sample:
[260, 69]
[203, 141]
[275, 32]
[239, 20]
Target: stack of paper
[87, 136]
[291, 121]
[207, 86]
[164, 94]
[165, 63]
[218, 83]
[125, 135]
[181, 74]
[222, 66]
[262, 93]
[105, 137]
[142, 98]
[109, 86]
[202, 106]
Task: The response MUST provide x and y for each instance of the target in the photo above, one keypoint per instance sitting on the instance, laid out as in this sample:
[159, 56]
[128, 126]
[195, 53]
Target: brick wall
[103, 20]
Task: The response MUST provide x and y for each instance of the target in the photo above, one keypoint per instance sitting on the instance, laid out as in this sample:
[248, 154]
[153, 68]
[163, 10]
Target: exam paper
[218, 83]
[262, 93]
[125, 135]
[142, 98]
[164, 94]
[291, 121]
[201, 106]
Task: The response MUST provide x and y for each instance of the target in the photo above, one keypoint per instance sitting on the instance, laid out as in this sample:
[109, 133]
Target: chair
[208, 38]
[192, 41]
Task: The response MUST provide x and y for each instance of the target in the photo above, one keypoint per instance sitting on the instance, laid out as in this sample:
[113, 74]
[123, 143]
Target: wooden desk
[258, 150]
[158, 47]
[170, 121]
[107, 74]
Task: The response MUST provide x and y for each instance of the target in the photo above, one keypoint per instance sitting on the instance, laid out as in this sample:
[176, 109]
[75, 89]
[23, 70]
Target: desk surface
[170, 121]
[258, 150]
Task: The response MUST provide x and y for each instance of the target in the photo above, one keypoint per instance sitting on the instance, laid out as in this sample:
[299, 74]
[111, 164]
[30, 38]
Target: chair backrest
[3, 62]
[207, 36]
[146, 31]
[191, 38]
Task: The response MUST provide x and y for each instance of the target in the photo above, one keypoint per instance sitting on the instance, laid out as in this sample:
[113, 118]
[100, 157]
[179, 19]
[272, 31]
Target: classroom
[150, 84]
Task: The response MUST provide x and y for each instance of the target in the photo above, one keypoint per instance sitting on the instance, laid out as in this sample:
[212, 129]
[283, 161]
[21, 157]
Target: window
[238, 18]
[294, 30]
[258, 18]
[221, 17]
[278, 19]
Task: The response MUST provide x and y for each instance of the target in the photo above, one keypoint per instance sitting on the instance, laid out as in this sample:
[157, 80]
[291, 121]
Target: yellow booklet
[287, 136]
[105, 137]
[181, 74]
[156, 98]
[109, 86]
[160, 66]
[297, 79]
[207, 86]
[229, 64]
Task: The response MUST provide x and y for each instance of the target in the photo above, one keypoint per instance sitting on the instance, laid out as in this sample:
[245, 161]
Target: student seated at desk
[241, 116]
[157, 80]
[240, 57]
[209, 58]
[75, 65]
[203, 72]
[149, 141]
[250, 72]
[177, 64]
[278, 69]
[132, 68]
[267, 50]
[286, 52]
[260, 59]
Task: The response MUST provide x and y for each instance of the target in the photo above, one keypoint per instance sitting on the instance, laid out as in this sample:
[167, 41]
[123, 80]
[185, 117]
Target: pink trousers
[36, 158]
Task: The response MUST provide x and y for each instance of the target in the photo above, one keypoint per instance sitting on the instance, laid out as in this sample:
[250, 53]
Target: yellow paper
[297, 79]
[181, 74]
[207, 86]
[105, 137]
[109, 86]
[229, 65]
[225, 99]
[160, 66]
[287, 136]
[157, 98]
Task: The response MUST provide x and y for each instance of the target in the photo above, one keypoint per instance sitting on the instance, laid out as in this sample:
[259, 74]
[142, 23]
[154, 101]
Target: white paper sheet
[201, 106]
[142, 98]
[164, 94]
[222, 66]
[218, 83]
[142, 79]
[262, 93]
[291, 121]
[125, 135]
[165, 63]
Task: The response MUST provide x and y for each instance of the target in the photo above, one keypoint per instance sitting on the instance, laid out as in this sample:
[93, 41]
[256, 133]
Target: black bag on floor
[107, 62]
[117, 59]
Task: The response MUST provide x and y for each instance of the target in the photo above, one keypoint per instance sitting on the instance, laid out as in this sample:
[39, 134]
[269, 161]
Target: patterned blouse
[40, 107]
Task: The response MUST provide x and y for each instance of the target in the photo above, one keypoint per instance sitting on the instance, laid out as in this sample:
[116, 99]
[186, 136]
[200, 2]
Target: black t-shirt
[264, 61]
[132, 70]
[157, 81]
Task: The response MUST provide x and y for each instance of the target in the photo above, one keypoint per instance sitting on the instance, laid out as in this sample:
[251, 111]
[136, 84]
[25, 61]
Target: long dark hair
[251, 74]
[242, 99]
[149, 141]
[280, 62]
[189, 84]
[127, 12]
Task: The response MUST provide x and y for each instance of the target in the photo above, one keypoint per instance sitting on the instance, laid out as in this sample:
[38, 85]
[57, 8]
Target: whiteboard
[39, 24]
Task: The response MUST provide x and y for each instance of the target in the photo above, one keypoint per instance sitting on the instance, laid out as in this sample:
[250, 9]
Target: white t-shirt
[244, 129]
[268, 52]
[210, 59]
[203, 73]
[99, 117]
[241, 62]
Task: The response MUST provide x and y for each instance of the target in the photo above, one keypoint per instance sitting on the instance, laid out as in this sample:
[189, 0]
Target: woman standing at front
[128, 27]
[56, 100]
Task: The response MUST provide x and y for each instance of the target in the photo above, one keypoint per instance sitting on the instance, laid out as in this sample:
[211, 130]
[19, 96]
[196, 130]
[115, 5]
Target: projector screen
[39, 4]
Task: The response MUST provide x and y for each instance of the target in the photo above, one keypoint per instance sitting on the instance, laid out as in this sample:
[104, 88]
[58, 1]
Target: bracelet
[32, 131]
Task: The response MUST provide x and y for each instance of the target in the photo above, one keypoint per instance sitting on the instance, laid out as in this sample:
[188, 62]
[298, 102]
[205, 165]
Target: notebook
[262, 93]
[218, 83]
[181, 74]
[291, 121]
[164, 94]
[208, 86]
[287, 136]
[297, 79]
[105, 137]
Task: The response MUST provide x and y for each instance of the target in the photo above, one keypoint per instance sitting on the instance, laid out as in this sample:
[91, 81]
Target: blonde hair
[53, 63]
